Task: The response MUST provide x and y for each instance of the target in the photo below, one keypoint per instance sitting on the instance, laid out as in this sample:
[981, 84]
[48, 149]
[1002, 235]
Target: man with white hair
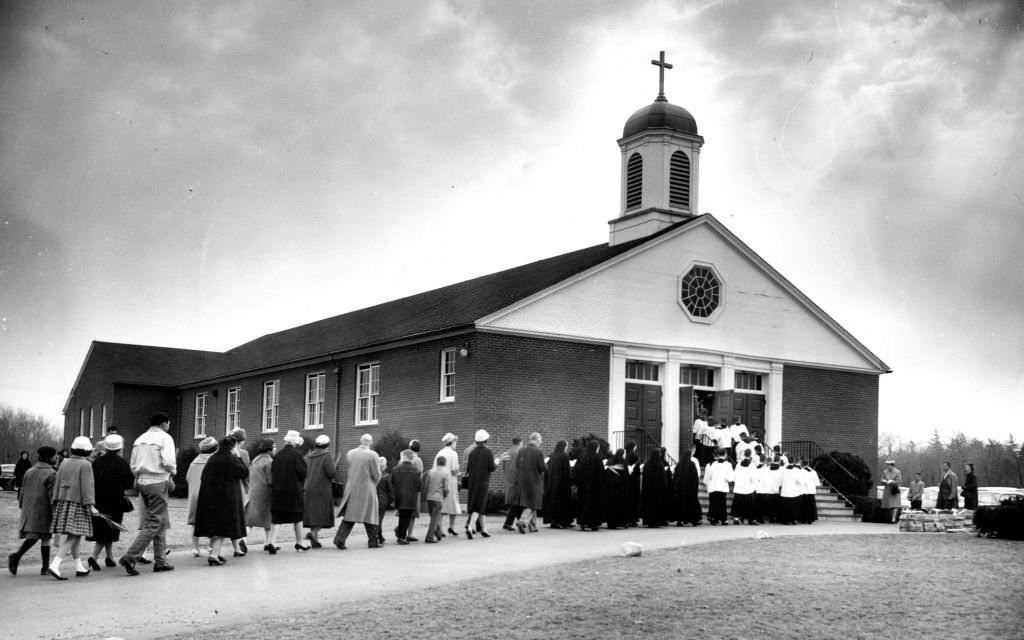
[359, 503]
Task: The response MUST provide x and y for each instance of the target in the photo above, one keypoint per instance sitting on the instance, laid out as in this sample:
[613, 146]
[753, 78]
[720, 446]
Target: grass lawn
[899, 586]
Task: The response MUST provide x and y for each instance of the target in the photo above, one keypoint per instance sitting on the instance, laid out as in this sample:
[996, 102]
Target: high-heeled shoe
[485, 534]
[469, 534]
[271, 549]
[110, 562]
[299, 547]
[313, 541]
[215, 561]
[452, 532]
[95, 566]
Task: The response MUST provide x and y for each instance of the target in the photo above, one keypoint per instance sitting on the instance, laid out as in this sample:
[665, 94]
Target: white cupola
[660, 167]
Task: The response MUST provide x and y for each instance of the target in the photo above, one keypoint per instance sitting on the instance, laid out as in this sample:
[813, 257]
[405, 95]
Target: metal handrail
[814, 451]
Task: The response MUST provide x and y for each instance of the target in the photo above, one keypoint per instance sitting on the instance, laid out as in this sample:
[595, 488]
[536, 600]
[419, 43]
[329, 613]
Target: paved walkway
[112, 604]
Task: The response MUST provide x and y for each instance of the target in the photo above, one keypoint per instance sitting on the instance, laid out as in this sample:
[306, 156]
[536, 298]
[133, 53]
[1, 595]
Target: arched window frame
[679, 180]
[634, 181]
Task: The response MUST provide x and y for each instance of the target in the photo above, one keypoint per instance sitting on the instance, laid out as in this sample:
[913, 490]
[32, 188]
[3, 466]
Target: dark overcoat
[510, 459]
[685, 490]
[531, 467]
[112, 476]
[588, 476]
[289, 475]
[257, 509]
[318, 501]
[405, 485]
[219, 511]
[35, 500]
[654, 494]
[479, 467]
[558, 490]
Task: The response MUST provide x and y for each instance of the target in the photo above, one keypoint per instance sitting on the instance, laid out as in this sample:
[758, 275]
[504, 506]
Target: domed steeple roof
[661, 114]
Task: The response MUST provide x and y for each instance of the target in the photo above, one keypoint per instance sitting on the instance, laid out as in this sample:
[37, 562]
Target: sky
[198, 174]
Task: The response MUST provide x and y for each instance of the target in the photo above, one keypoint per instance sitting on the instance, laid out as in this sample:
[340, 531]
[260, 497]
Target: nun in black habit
[616, 491]
[589, 484]
[685, 487]
[558, 489]
[654, 496]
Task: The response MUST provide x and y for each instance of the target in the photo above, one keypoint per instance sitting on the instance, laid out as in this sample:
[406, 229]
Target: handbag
[894, 489]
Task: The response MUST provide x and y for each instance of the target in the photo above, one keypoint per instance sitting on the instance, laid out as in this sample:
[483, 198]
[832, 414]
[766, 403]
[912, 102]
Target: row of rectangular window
[367, 400]
[92, 422]
[693, 376]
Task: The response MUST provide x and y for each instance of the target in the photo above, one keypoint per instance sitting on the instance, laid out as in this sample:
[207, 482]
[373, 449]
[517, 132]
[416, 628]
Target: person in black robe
[685, 489]
[479, 467]
[616, 492]
[111, 477]
[558, 489]
[219, 510]
[654, 492]
[969, 489]
[588, 477]
[635, 483]
[287, 495]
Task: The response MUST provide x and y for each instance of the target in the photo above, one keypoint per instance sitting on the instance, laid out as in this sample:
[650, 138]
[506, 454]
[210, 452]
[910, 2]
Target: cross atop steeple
[662, 65]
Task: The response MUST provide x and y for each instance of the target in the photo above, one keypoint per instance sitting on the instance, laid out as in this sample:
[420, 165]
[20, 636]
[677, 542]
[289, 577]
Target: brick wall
[134, 405]
[836, 409]
[557, 388]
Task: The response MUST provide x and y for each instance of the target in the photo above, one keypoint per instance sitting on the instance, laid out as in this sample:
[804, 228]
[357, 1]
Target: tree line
[22, 431]
[996, 464]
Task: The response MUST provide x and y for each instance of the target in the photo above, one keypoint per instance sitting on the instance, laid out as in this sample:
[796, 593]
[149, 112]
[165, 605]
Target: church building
[628, 340]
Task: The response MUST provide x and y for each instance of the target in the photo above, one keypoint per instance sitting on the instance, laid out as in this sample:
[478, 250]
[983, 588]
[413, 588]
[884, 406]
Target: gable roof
[448, 308]
[144, 365]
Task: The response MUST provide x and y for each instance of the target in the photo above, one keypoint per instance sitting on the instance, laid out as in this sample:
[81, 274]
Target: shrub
[390, 445]
[1003, 521]
[828, 467]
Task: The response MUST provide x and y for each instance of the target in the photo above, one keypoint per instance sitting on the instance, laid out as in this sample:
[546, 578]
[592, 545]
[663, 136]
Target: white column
[773, 419]
[670, 405]
[617, 392]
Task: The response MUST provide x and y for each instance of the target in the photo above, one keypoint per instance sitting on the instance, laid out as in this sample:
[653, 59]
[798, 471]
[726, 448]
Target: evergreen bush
[390, 445]
[828, 467]
[1003, 521]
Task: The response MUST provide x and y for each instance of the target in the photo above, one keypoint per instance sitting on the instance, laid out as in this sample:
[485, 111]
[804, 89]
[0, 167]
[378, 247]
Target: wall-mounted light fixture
[464, 350]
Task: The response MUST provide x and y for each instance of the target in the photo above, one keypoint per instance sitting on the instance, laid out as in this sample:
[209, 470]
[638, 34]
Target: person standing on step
[479, 467]
[154, 463]
[810, 497]
[318, 503]
[743, 492]
[717, 477]
[35, 519]
[359, 502]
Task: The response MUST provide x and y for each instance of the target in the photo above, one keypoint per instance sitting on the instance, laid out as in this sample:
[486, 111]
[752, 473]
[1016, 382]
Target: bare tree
[21, 431]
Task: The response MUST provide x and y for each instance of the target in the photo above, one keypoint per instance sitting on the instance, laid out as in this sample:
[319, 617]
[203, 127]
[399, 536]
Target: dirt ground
[825, 580]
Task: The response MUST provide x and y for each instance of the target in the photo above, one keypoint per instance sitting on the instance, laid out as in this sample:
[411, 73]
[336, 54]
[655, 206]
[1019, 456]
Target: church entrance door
[750, 408]
[643, 416]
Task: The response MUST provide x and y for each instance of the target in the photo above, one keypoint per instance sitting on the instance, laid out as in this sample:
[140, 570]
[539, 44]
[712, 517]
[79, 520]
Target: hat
[481, 436]
[237, 434]
[208, 444]
[264, 445]
[890, 462]
[113, 442]
[322, 440]
[293, 437]
[448, 437]
[46, 452]
[81, 443]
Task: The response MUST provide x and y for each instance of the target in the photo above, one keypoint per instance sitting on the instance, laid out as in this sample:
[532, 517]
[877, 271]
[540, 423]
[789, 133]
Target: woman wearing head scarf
[558, 489]
[257, 510]
[450, 505]
[219, 512]
[318, 512]
[74, 501]
[654, 493]
[289, 476]
[616, 491]
[112, 477]
[194, 479]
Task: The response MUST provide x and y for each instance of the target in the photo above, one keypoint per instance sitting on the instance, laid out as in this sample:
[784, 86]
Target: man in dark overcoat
[405, 487]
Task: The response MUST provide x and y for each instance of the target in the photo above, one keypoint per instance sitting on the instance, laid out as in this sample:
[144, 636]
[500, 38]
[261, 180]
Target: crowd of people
[588, 486]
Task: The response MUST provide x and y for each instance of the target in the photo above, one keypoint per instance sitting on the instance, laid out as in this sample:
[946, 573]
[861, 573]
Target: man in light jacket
[154, 463]
[360, 499]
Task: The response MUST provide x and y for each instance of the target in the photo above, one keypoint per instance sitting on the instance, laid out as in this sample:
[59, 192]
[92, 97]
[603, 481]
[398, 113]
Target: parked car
[994, 496]
[7, 477]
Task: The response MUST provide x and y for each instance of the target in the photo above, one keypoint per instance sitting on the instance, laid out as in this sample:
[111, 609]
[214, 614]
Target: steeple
[660, 167]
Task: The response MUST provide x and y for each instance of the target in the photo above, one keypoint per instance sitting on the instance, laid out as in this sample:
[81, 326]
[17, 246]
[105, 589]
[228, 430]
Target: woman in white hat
[74, 501]
[112, 477]
[194, 479]
[450, 506]
[479, 467]
[318, 505]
